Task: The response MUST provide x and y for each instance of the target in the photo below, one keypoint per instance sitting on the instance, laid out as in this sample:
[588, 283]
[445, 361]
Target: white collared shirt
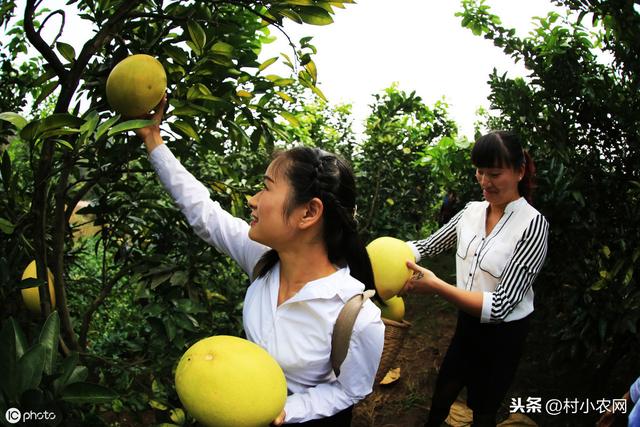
[502, 265]
[298, 332]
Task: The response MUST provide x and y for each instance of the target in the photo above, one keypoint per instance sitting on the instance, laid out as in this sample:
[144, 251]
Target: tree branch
[57, 12]
[89, 49]
[34, 37]
[99, 300]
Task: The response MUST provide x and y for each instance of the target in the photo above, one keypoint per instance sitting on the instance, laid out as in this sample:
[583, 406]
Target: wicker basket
[394, 334]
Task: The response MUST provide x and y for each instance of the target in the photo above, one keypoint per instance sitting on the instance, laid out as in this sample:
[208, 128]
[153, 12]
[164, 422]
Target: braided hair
[312, 173]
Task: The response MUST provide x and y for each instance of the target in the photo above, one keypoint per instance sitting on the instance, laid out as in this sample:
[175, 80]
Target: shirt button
[469, 274]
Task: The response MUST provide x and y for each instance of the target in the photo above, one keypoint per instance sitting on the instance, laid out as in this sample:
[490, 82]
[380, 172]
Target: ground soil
[405, 402]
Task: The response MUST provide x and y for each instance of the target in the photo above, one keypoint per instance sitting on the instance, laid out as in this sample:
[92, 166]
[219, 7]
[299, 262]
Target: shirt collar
[338, 283]
[515, 205]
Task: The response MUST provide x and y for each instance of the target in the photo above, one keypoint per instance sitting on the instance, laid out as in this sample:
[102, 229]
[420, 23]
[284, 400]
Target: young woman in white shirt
[501, 244]
[306, 260]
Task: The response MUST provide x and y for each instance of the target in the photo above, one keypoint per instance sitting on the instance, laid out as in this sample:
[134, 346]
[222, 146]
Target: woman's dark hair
[503, 149]
[313, 172]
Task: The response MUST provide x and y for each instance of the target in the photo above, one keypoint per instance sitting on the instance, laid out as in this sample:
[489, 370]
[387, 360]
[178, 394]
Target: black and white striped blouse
[503, 264]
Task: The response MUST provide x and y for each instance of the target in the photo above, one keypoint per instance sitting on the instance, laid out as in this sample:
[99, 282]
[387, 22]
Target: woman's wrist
[153, 140]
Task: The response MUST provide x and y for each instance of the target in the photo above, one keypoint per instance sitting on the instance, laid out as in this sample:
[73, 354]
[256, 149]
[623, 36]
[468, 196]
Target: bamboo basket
[394, 334]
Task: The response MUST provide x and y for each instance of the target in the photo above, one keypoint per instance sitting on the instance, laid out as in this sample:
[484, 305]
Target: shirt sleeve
[207, 218]
[357, 375]
[438, 242]
[519, 274]
[634, 391]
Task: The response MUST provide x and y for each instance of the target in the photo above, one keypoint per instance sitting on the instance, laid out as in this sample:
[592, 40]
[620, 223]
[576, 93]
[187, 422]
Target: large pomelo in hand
[393, 310]
[136, 85]
[226, 381]
[389, 258]
[31, 296]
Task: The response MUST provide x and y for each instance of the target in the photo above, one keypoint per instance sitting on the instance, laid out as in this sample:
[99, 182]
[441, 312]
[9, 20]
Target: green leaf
[67, 51]
[30, 367]
[292, 15]
[68, 365]
[14, 118]
[79, 374]
[185, 129]
[64, 143]
[6, 226]
[266, 63]
[223, 49]
[48, 338]
[31, 282]
[315, 15]
[45, 92]
[313, 71]
[91, 121]
[290, 118]
[197, 34]
[82, 392]
[55, 124]
[198, 91]
[158, 405]
[12, 346]
[300, 2]
[130, 125]
[106, 125]
[284, 96]
[177, 416]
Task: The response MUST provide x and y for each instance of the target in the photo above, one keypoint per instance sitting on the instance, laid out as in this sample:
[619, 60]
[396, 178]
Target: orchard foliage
[165, 288]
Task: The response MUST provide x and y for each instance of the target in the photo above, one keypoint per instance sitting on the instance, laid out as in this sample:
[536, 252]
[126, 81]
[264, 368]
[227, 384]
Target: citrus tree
[142, 265]
[395, 168]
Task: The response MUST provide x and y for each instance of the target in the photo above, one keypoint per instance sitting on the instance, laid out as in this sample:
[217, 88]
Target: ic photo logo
[13, 415]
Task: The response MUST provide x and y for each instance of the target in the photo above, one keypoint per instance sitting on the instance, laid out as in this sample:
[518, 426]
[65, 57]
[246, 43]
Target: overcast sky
[417, 43]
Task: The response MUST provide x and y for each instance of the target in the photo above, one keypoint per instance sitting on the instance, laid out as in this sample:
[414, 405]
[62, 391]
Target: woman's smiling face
[499, 184]
[270, 224]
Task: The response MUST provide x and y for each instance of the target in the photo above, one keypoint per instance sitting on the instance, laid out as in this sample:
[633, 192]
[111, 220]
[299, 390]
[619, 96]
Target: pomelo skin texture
[136, 85]
[389, 258]
[226, 381]
[31, 296]
[394, 309]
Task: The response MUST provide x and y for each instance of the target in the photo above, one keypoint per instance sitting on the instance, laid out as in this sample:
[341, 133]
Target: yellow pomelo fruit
[226, 381]
[389, 258]
[31, 296]
[136, 85]
[394, 310]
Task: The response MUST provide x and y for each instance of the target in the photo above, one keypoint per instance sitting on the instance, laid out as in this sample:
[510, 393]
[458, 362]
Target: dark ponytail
[527, 184]
[313, 172]
[504, 149]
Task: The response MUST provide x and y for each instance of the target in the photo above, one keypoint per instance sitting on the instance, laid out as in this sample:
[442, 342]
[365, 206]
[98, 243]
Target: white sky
[417, 43]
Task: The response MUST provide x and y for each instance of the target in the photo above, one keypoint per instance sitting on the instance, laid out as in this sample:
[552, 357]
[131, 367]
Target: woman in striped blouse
[501, 245]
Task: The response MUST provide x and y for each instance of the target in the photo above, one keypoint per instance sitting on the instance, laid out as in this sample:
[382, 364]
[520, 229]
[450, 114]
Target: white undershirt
[298, 332]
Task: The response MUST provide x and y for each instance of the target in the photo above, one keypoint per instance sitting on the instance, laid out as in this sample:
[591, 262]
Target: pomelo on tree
[226, 381]
[31, 296]
[136, 85]
[394, 309]
[389, 258]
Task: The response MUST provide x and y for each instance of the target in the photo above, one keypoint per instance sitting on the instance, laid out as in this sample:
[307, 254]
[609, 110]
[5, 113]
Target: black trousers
[341, 419]
[483, 358]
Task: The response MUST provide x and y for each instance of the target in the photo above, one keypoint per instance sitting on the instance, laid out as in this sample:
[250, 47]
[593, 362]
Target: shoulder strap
[344, 327]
